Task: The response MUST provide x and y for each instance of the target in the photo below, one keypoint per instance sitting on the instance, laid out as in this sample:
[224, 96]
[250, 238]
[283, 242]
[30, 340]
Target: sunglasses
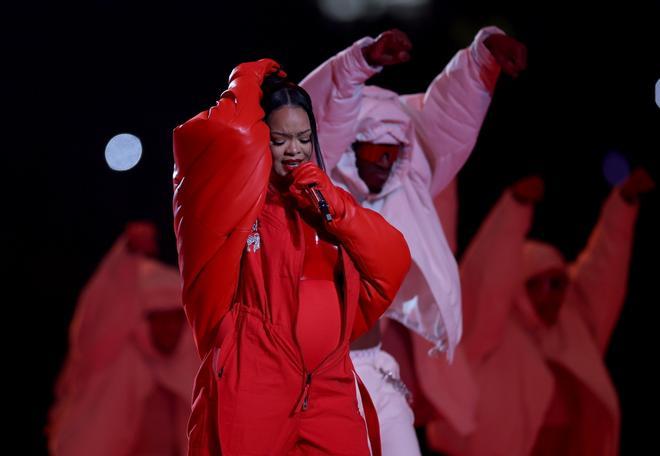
[374, 153]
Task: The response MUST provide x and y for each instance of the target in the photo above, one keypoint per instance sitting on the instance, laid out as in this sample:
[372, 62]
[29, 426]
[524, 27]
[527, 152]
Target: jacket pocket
[226, 343]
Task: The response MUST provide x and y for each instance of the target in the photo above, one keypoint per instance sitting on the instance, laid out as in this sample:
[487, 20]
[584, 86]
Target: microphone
[320, 201]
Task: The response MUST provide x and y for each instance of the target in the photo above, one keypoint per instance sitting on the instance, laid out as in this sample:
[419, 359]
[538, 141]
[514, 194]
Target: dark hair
[278, 92]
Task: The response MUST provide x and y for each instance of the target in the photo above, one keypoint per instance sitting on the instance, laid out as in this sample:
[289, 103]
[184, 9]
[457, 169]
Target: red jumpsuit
[254, 393]
[318, 326]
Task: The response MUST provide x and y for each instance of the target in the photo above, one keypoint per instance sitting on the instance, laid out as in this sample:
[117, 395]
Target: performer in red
[281, 271]
[124, 388]
[537, 328]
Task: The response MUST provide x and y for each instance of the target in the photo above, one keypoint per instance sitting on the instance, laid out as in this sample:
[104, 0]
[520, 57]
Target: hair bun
[272, 83]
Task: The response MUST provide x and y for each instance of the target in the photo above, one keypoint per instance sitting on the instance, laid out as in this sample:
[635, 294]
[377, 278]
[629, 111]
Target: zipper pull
[308, 382]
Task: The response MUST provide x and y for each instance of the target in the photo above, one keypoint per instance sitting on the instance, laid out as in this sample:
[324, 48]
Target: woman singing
[281, 271]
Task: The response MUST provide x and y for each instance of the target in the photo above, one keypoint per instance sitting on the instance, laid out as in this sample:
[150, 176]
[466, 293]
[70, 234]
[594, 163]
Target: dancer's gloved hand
[390, 48]
[509, 53]
[309, 175]
[259, 69]
[142, 238]
[638, 183]
[528, 190]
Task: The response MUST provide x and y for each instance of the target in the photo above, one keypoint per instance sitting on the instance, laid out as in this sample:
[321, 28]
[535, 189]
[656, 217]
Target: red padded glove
[391, 47]
[528, 190]
[509, 53]
[638, 183]
[308, 175]
[259, 69]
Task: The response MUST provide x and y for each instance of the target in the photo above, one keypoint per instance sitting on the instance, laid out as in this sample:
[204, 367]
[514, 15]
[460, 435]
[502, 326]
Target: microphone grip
[321, 203]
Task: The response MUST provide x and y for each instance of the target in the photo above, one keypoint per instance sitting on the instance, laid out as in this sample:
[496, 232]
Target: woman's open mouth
[290, 165]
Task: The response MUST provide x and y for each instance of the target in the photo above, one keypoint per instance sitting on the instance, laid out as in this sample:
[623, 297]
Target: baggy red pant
[329, 424]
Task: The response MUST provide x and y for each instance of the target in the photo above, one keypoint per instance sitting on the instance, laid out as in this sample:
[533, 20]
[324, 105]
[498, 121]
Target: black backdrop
[82, 72]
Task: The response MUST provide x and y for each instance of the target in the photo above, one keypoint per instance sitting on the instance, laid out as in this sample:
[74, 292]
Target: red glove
[391, 47]
[142, 238]
[260, 69]
[528, 190]
[308, 175]
[509, 53]
[638, 183]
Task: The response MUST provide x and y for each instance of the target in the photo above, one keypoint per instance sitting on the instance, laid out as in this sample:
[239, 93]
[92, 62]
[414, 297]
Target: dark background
[82, 72]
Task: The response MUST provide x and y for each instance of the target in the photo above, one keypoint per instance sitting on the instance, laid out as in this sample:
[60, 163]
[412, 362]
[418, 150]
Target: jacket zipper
[307, 375]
